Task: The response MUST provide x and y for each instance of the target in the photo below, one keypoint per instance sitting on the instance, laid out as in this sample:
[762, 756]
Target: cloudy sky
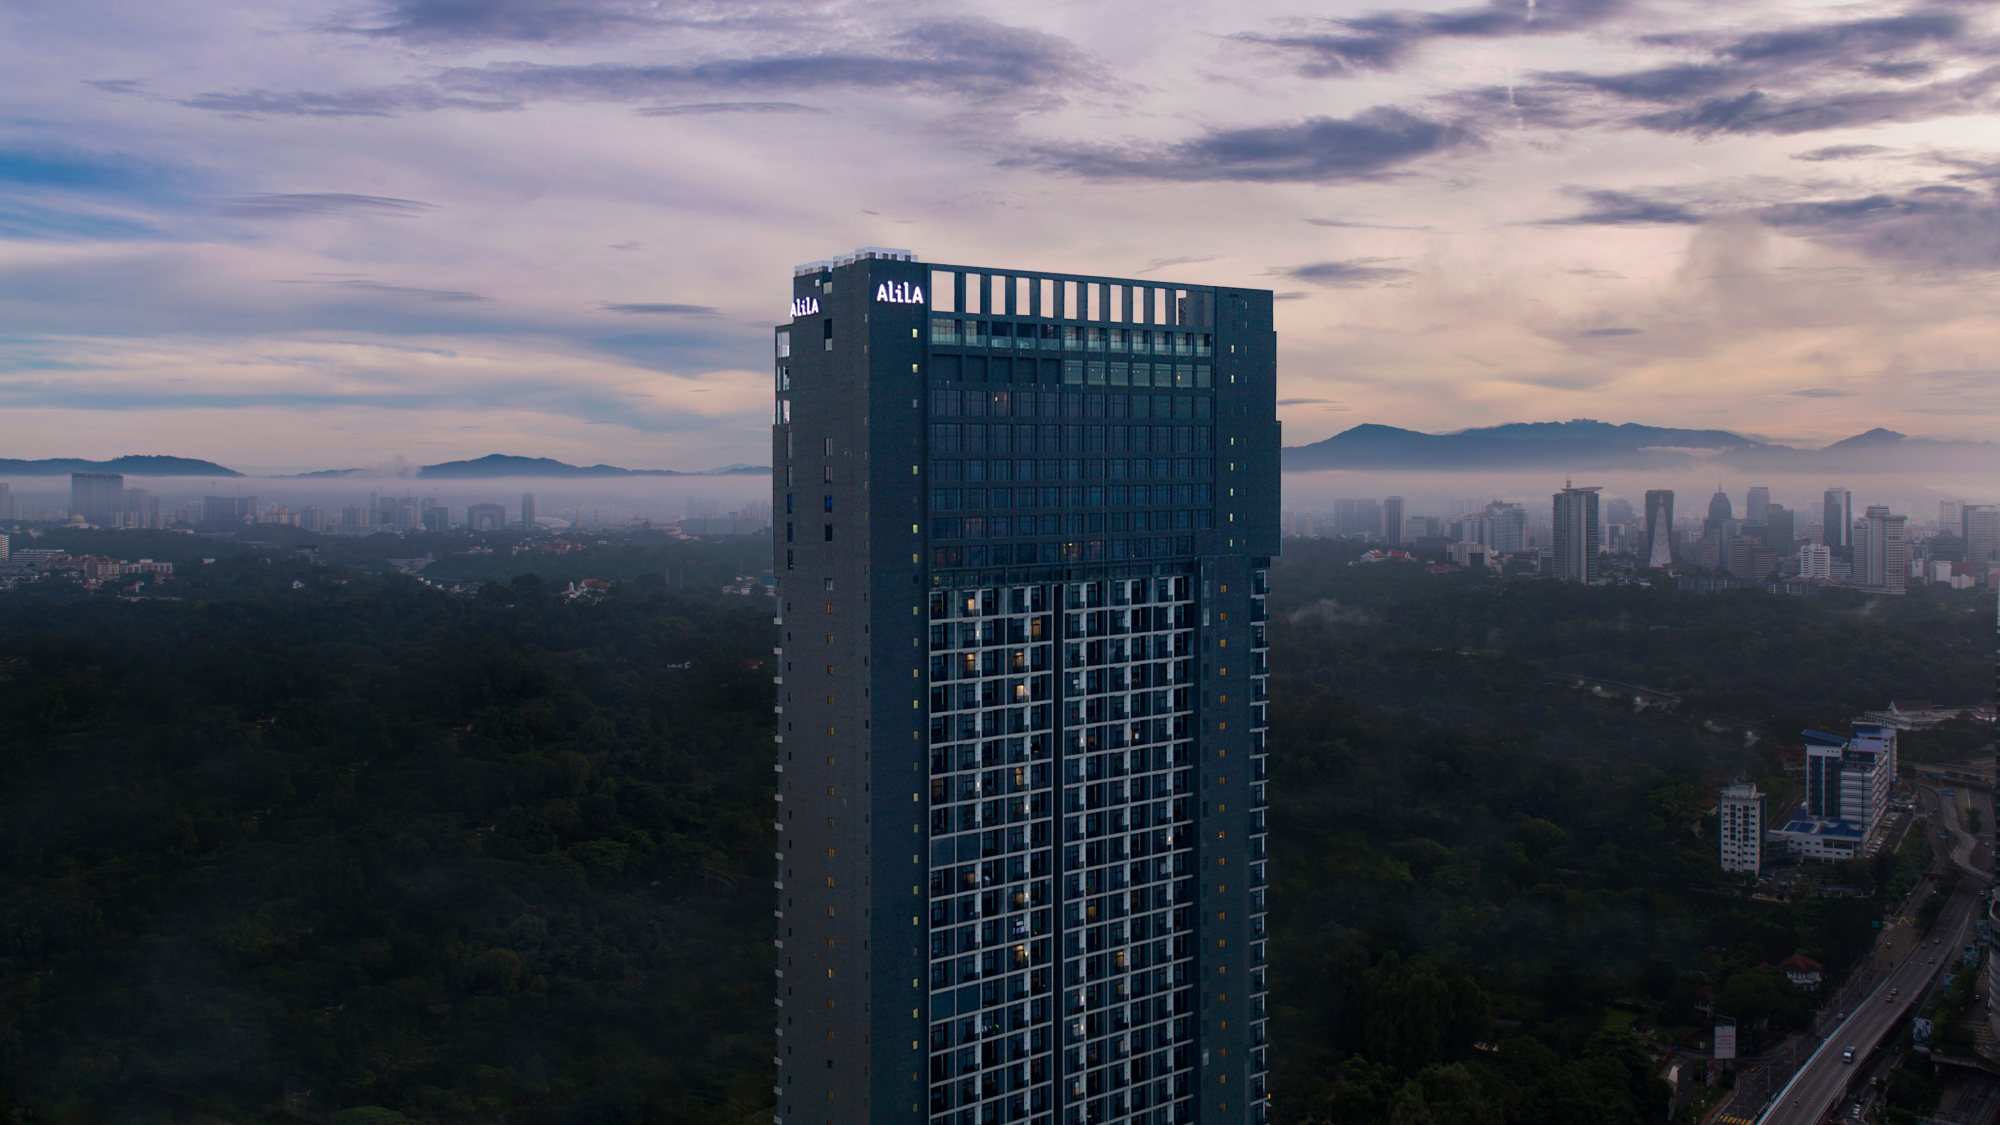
[302, 234]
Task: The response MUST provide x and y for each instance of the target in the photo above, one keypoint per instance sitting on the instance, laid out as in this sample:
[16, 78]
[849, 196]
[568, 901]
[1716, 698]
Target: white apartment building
[1815, 561]
[1742, 828]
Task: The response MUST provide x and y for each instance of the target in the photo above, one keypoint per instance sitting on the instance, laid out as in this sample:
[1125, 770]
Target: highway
[1822, 1083]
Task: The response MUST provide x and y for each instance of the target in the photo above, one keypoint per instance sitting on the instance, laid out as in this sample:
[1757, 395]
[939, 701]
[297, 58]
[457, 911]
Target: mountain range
[483, 468]
[1584, 443]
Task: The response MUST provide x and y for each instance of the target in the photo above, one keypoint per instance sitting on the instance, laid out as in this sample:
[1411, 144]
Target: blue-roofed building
[1849, 780]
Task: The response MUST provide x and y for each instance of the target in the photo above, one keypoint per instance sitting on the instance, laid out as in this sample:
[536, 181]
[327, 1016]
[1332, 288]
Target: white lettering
[805, 306]
[899, 293]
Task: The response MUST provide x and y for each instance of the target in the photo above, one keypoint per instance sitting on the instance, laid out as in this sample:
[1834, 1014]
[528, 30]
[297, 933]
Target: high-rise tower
[1023, 523]
[1659, 546]
[1575, 531]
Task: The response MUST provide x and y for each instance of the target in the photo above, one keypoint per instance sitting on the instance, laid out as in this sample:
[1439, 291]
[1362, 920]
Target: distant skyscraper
[527, 511]
[1357, 517]
[1576, 534]
[227, 509]
[1780, 528]
[1392, 521]
[1815, 561]
[1755, 503]
[1021, 808]
[1951, 513]
[485, 517]
[1720, 511]
[1837, 523]
[1980, 528]
[1505, 528]
[1658, 549]
[98, 497]
[1881, 553]
[6, 503]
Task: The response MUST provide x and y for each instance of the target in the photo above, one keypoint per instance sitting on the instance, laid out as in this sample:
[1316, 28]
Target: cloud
[1354, 273]
[1797, 79]
[1591, 333]
[677, 310]
[278, 206]
[1841, 152]
[382, 101]
[533, 21]
[726, 107]
[1163, 263]
[1820, 392]
[965, 58]
[1383, 40]
[1361, 226]
[1369, 145]
[1938, 227]
[1306, 401]
[454, 296]
[1625, 209]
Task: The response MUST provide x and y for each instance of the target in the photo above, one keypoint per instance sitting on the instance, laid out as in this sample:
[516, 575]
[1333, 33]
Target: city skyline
[339, 233]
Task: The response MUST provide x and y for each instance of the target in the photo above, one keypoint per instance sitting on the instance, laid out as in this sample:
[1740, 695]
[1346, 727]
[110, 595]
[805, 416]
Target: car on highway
[1847, 1056]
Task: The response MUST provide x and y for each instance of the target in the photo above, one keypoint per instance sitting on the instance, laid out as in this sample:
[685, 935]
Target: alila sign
[805, 306]
[900, 293]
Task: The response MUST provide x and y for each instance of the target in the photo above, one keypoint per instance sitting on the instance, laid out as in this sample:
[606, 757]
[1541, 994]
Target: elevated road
[1823, 1081]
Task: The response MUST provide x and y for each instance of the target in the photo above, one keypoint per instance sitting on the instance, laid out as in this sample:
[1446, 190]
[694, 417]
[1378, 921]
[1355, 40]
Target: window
[829, 503]
[784, 343]
[788, 503]
[829, 533]
[828, 324]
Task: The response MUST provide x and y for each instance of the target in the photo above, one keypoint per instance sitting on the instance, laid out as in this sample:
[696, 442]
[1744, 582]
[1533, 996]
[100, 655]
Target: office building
[528, 512]
[1658, 548]
[1946, 547]
[1837, 520]
[1742, 828]
[1750, 560]
[1467, 554]
[1780, 528]
[1979, 526]
[1392, 521]
[6, 503]
[1950, 512]
[485, 517]
[1815, 561]
[99, 498]
[1881, 552]
[1755, 503]
[1720, 511]
[1849, 782]
[1575, 533]
[1026, 521]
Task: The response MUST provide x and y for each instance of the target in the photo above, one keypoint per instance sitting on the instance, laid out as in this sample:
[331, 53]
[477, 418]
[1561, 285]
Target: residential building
[1392, 521]
[1805, 973]
[1033, 602]
[5, 554]
[1357, 517]
[1815, 561]
[528, 512]
[1658, 548]
[6, 503]
[98, 498]
[1881, 553]
[228, 509]
[485, 517]
[1837, 520]
[1742, 828]
[1575, 533]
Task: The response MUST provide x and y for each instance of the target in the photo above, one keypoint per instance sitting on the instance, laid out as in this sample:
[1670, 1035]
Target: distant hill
[1587, 444]
[501, 465]
[133, 466]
